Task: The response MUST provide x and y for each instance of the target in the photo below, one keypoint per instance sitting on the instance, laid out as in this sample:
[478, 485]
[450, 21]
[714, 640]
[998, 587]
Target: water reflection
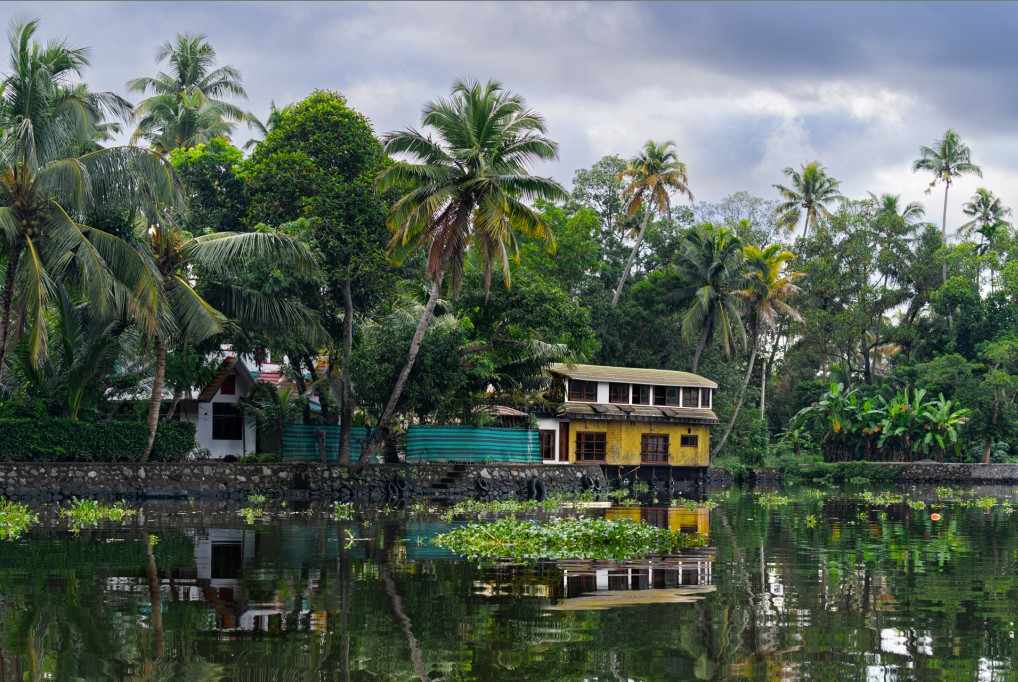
[820, 589]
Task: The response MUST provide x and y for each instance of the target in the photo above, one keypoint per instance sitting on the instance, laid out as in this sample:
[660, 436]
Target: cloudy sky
[743, 89]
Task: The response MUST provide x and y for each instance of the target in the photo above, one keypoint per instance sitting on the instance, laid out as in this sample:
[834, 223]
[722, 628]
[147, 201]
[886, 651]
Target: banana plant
[941, 420]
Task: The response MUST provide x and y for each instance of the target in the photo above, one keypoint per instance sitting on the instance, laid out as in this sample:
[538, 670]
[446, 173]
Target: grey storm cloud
[744, 89]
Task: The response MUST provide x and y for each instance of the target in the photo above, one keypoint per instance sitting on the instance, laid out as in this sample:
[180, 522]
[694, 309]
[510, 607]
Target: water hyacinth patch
[82, 513]
[15, 519]
[568, 538]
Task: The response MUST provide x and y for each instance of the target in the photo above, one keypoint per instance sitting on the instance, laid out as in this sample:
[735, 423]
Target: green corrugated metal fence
[472, 444]
[300, 442]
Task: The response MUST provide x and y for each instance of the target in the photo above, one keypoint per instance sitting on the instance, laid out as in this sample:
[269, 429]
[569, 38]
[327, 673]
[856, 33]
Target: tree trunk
[156, 399]
[701, 345]
[805, 226]
[943, 230]
[346, 397]
[763, 389]
[988, 447]
[6, 301]
[178, 395]
[632, 257]
[738, 403]
[397, 390]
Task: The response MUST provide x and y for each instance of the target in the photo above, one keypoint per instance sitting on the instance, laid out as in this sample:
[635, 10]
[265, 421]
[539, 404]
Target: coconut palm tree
[653, 175]
[985, 210]
[947, 159]
[765, 296]
[51, 173]
[187, 105]
[710, 262]
[183, 315]
[890, 205]
[809, 195]
[468, 186]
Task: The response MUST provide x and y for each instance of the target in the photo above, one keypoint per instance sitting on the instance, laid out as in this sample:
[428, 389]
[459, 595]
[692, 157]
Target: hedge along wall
[300, 442]
[472, 444]
[52, 439]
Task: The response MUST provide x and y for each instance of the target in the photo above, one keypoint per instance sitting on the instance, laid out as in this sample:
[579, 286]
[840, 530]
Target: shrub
[50, 439]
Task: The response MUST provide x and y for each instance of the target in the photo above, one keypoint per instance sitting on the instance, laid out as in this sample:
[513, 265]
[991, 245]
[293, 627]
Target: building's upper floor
[601, 384]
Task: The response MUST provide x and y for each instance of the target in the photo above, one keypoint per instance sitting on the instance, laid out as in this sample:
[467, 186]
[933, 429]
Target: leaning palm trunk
[156, 399]
[738, 403]
[701, 345]
[397, 390]
[631, 259]
[6, 303]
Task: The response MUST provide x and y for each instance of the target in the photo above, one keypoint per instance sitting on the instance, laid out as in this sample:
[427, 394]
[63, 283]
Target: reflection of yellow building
[629, 416]
[675, 519]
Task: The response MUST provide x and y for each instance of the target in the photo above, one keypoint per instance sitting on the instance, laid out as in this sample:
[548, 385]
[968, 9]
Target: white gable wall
[221, 448]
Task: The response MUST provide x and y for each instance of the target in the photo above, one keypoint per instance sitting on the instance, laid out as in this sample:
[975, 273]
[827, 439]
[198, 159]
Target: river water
[806, 585]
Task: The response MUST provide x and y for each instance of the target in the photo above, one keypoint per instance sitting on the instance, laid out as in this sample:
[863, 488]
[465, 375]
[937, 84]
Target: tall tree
[710, 263]
[808, 197]
[768, 288]
[470, 186]
[182, 313]
[319, 161]
[890, 205]
[187, 105]
[653, 175]
[47, 182]
[947, 159]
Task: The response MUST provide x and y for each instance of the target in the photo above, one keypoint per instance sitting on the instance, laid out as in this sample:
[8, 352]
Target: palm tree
[653, 175]
[811, 191]
[710, 262]
[51, 172]
[768, 288]
[187, 105]
[947, 159]
[890, 205]
[986, 211]
[468, 186]
[184, 316]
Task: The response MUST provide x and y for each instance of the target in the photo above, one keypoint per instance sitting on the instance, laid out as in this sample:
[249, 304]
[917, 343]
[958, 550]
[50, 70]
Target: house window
[229, 385]
[583, 391]
[689, 441]
[705, 397]
[654, 448]
[591, 446]
[666, 395]
[547, 444]
[618, 393]
[691, 397]
[227, 423]
[641, 394]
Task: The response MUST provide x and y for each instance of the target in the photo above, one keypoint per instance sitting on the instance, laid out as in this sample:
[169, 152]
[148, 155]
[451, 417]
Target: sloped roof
[226, 368]
[630, 375]
[644, 413]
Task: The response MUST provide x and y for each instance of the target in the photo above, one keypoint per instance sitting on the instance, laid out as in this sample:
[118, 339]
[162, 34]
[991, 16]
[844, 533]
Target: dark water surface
[821, 588]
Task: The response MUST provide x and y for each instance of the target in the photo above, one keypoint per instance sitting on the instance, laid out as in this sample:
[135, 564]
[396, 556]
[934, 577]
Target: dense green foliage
[52, 439]
[365, 266]
[564, 538]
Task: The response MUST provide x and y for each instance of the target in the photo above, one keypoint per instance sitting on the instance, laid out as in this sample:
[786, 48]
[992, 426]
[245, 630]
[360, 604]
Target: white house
[220, 428]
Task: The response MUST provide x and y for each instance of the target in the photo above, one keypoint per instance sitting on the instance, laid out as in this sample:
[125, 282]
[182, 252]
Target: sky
[743, 89]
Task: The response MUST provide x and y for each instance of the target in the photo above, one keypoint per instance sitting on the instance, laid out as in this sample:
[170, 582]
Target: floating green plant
[771, 499]
[567, 538]
[255, 509]
[82, 513]
[342, 511]
[15, 519]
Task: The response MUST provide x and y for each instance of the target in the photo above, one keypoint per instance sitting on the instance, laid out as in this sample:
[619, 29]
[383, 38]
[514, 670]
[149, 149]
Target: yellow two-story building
[629, 416]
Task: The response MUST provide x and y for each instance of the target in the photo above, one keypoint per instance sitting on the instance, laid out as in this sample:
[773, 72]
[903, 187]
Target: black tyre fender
[540, 492]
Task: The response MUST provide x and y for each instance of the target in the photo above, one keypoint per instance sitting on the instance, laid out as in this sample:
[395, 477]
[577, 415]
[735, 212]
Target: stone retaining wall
[379, 484]
[906, 472]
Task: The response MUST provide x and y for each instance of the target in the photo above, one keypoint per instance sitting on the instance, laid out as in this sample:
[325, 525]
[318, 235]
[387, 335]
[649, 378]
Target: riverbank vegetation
[414, 276]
